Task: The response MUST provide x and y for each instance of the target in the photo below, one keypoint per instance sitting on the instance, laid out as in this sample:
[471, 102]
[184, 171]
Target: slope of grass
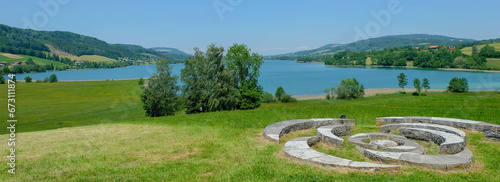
[493, 62]
[24, 58]
[91, 58]
[118, 143]
[468, 50]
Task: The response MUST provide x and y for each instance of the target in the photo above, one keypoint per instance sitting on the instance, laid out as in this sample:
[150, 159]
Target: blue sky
[267, 27]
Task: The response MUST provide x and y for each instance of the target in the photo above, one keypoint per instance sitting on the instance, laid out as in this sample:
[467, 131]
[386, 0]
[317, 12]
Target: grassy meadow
[23, 58]
[91, 58]
[96, 131]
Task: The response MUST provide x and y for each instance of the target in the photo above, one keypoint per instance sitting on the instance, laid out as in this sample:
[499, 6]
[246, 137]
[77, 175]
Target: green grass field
[468, 50]
[493, 62]
[24, 58]
[96, 131]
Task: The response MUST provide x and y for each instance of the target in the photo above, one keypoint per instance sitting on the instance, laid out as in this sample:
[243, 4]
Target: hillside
[71, 45]
[172, 52]
[413, 40]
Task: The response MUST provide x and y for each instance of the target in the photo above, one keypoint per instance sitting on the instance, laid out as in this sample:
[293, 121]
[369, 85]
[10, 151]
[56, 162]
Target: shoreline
[373, 92]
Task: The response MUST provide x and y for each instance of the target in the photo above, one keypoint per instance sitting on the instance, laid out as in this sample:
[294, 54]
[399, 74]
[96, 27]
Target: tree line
[212, 82]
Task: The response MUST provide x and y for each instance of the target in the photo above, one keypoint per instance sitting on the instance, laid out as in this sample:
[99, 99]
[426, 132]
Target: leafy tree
[160, 97]
[458, 85]
[2, 79]
[53, 78]
[417, 85]
[246, 73]
[402, 81]
[425, 84]
[349, 89]
[28, 79]
[459, 62]
[209, 85]
[141, 82]
[475, 50]
[29, 61]
[279, 93]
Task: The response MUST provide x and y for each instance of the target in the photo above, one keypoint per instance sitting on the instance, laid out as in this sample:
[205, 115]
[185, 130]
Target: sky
[267, 27]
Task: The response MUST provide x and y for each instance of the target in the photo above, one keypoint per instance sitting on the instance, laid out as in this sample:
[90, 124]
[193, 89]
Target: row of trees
[212, 82]
[440, 57]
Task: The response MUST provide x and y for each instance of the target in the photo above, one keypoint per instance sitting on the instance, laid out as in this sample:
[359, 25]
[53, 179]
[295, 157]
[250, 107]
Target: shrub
[349, 89]
[268, 98]
[39, 81]
[287, 98]
[141, 82]
[28, 79]
[415, 94]
[46, 80]
[53, 78]
[2, 79]
[458, 85]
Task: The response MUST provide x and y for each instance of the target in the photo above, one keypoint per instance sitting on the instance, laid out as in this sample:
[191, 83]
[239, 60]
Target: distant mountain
[172, 51]
[25, 40]
[377, 44]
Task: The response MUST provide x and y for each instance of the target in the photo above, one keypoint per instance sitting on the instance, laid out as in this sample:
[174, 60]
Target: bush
[402, 92]
[287, 98]
[349, 89]
[268, 98]
[53, 78]
[415, 94]
[46, 80]
[141, 82]
[28, 79]
[2, 79]
[458, 85]
[39, 81]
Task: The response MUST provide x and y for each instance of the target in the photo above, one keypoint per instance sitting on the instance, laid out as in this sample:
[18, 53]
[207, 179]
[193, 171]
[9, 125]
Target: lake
[300, 78]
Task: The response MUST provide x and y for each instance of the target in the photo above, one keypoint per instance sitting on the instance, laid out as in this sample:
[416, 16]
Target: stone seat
[275, 131]
[389, 127]
[449, 143]
[299, 149]
[331, 134]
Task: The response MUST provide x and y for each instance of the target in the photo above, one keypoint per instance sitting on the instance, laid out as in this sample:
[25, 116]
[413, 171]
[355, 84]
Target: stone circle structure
[393, 150]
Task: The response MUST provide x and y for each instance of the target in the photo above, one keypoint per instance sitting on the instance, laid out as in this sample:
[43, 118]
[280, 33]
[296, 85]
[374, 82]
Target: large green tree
[209, 84]
[246, 68]
[160, 95]
[458, 85]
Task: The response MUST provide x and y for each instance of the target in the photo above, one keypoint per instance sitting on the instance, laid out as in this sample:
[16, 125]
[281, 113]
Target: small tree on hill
[425, 84]
[141, 82]
[402, 81]
[416, 84]
[279, 93]
[160, 96]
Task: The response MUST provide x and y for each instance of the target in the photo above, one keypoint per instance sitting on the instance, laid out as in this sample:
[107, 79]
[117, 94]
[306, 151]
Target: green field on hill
[23, 58]
[96, 131]
[468, 50]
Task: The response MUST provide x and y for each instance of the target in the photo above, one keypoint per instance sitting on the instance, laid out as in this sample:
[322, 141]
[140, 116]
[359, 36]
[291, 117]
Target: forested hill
[21, 41]
[413, 40]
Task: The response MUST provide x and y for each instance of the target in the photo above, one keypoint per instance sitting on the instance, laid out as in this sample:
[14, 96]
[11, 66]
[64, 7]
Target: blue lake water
[300, 78]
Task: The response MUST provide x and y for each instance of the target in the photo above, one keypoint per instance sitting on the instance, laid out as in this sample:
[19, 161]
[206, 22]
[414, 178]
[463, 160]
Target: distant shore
[372, 92]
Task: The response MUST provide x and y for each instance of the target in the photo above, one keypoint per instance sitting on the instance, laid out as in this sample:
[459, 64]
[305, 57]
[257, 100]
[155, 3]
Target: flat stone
[386, 157]
[275, 131]
[330, 134]
[299, 149]
[462, 160]
[449, 143]
[383, 144]
[361, 139]
[388, 128]
[492, 131]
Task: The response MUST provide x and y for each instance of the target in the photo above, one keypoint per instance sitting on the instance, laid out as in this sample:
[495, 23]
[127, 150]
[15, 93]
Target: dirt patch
[56, 51]
[12, 56]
